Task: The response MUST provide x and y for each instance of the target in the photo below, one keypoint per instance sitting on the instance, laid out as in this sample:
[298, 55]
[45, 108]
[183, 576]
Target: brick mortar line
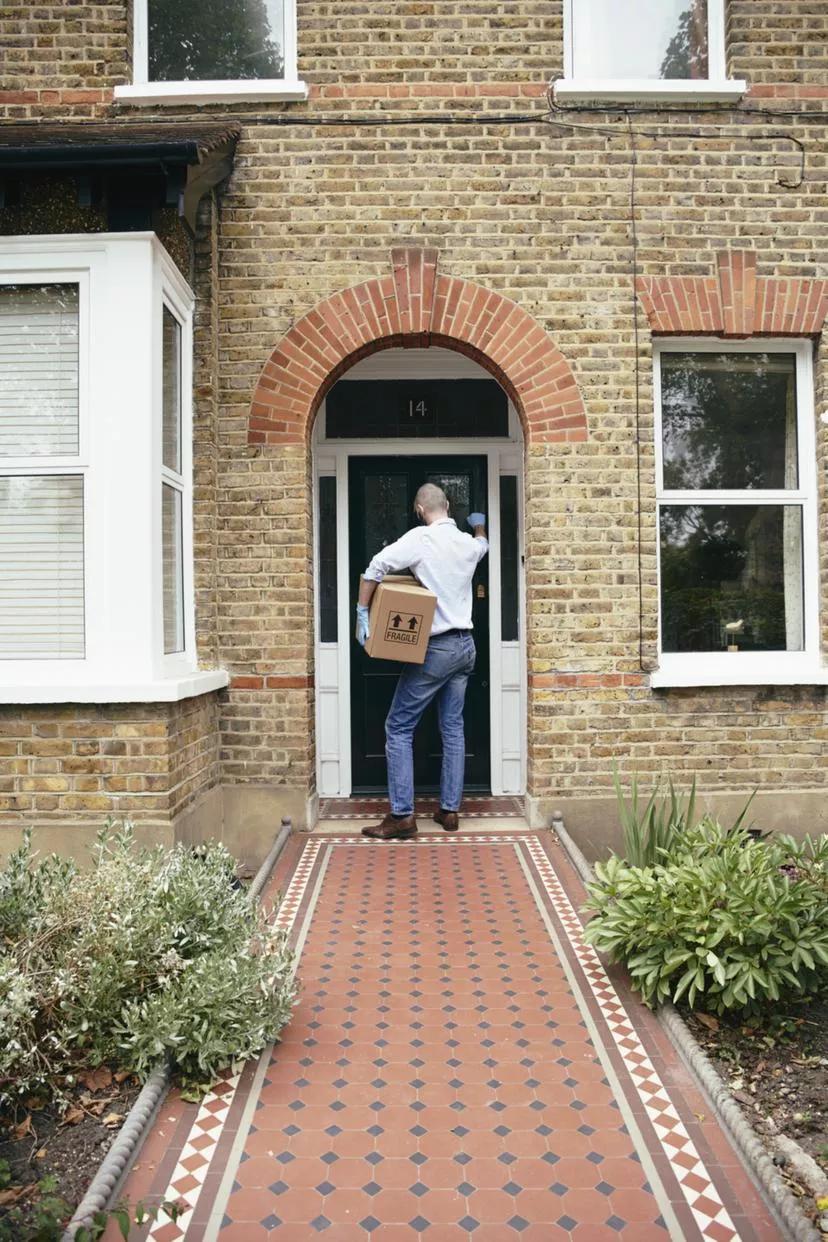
[734, 1121]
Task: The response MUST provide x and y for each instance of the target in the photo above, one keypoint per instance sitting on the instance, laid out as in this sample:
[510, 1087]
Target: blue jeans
[443, 676]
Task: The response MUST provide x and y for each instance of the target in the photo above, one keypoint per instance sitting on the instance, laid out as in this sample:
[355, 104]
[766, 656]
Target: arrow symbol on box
[412, 625]
[397, 622]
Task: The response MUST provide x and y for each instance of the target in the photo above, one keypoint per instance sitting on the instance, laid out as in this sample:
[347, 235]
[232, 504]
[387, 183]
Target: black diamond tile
[466, 1189]
[370, 1223]
[330, 1157]
[469, 1224]
[518, 1223]
[370, 1188]
[595, 1157]
[419, 1223]
[374, 1157]
[550, 1157]
[418, 1189]
[320, 1223]
[285, 1157]
[325, 1188]
[277, 1188]
[566, 1222]
[271, 1222]
[418, 1158]
[512, 1188]
[557, 1188]
[616, 1223]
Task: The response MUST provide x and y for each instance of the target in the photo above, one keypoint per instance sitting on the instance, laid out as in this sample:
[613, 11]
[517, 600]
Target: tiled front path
[459, 1066]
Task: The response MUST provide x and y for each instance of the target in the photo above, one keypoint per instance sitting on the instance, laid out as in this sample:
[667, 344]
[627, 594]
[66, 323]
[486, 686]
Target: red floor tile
[439, 1078]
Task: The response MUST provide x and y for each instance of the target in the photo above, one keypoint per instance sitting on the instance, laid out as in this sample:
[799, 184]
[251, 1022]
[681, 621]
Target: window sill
[165, 690]
[253, 91]
[648, 90]
[730, 671]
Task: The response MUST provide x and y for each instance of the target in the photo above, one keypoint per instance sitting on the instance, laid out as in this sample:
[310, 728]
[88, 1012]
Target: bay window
[213, 50]
[42, 469]
[95, 472]
[737, 523]
[628, 49]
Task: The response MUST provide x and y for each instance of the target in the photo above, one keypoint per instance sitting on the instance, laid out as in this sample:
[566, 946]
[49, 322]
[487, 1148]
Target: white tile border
[190, 1173]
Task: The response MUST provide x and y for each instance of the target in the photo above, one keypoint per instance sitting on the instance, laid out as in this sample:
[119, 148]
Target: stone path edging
[733, 1118]
[118, 1161]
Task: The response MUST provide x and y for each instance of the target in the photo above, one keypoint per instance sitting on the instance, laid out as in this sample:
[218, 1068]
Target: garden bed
[777, 1071]
[60, 1146]
[150, 957]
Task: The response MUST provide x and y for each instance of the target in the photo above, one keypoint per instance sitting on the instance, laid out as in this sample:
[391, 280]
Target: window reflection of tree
[687, 54]
[225, 40]
[724, 563]
[729, 421]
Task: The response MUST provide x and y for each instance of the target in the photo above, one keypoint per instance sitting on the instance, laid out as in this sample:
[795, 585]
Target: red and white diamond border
[190, 1173]
[697, 1186]
[714, 1222]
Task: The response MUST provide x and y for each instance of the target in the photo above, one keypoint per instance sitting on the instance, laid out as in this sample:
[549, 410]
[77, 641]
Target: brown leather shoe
[450, 820]
[392, 829]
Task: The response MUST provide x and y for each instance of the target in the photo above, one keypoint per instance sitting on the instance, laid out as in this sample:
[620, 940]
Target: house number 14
[418, 410]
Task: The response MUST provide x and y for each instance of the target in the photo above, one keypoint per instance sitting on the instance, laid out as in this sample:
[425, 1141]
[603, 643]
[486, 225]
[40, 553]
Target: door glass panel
[731, 578]
[456, 487]
[386, 510]
[729, 421]
[327, 559]
[509, 610]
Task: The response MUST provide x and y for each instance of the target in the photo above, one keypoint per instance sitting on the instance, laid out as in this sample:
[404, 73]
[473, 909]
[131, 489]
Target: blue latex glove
[476, 519]
[362, 630]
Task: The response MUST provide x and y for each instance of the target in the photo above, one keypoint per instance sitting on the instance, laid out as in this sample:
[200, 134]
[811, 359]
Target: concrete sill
[165, 690]
[779, 676]
[253, 91]
[648, 91]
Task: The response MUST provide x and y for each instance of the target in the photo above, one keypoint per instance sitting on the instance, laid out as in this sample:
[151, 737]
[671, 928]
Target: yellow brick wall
[539, 213]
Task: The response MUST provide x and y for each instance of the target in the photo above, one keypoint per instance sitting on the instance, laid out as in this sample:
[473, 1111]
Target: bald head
[431, 502]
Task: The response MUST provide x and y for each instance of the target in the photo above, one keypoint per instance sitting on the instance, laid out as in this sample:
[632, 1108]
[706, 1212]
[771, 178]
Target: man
[443, 559]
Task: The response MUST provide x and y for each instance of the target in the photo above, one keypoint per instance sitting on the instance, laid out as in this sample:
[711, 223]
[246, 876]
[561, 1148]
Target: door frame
[507, 661]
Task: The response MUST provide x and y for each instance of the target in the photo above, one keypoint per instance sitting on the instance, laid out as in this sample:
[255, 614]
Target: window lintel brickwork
[736, 302]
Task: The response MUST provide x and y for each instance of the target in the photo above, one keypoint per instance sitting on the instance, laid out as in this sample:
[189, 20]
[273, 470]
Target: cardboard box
[400, 620]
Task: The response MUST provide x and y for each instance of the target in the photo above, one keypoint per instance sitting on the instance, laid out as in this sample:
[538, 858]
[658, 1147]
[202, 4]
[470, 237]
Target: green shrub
[727, 922]
[151, 953]
[651, 833]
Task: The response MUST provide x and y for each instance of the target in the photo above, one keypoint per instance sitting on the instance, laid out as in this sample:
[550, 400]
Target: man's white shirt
[443, 559]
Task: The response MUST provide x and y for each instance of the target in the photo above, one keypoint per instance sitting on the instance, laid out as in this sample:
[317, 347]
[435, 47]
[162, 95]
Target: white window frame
[251, 90]
[120, 389]
[716, 87]
[725, 668]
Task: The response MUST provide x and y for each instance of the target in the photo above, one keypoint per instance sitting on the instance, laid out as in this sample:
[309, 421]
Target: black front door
[381, 499]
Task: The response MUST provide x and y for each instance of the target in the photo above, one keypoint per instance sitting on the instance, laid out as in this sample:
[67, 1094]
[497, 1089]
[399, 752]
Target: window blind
[171, 354]
[41, 567]
[172, 569]
[39, 370]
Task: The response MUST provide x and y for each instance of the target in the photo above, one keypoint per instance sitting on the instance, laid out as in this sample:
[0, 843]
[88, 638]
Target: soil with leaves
[49, 1154]
[778, 1072]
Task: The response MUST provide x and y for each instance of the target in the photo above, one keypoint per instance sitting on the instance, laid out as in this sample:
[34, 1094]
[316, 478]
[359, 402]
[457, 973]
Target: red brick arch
[414, 306]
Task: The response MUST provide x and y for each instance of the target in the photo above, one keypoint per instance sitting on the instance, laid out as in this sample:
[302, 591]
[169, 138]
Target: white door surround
[507, 675]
